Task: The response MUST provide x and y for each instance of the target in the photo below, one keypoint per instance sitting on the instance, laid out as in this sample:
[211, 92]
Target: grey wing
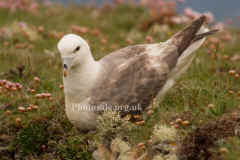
[134, 75]
[131, 79]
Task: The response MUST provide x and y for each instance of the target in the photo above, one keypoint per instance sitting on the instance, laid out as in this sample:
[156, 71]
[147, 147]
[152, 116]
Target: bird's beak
[67, 62]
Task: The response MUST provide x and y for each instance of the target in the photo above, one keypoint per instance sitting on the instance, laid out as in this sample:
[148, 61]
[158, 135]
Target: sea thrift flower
[103, 41]
[79, 30]
[47, 3]
[176, 126]
[179, 120]
[141, 145]
[149, 39]
[191, 13]
[226, 37]
[8, 112]
[119, 1]
[41, 29]
[4, 82]
[21, 109]
[129, 41]
[238, 93]
[211, 106]
[144, 2]
[61, 86]
[5, 44]
[150, 141]
[95, 32]
[140, 123]
[150, 112]
[44, 147]
[230, 92]
[19, 86]
[13, 89]
[13, 5]
[113, 46]
[29, 108]
[223, 150]
[47, 95]
[3, 5]
[236, 75]
[35, 107]
[7, 87]
[232, 72]
[39, 96]
[36, 79]
[214, 40]
[33, 8]
[18, 121]
[33, 90]
[136, 116]
[185, 123]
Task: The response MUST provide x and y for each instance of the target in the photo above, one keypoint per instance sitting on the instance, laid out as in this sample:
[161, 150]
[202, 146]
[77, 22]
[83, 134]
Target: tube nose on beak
[65, 66]
[67, 61]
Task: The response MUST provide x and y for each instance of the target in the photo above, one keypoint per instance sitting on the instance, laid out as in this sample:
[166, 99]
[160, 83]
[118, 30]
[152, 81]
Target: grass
[34, 134]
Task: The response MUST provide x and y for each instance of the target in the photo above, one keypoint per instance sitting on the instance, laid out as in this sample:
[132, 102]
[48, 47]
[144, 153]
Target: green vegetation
[33, 124]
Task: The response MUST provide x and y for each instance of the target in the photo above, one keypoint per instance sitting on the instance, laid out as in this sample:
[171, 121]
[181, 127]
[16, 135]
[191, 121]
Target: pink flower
[144, 2]
[191, 13]
[47, 3]
[22, 24]
[149, 39]
[79, 29]
[3, 5]
[119, 1]
[33, 7]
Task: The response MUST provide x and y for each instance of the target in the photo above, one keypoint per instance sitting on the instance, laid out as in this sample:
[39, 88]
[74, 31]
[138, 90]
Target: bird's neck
[80, 79]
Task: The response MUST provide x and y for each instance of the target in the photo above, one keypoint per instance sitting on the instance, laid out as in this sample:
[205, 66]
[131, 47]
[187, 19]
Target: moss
[31, 139]
[73, 148]
[162, 133]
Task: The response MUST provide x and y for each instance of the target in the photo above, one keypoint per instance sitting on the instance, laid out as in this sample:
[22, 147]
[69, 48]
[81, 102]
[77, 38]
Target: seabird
[126, 80]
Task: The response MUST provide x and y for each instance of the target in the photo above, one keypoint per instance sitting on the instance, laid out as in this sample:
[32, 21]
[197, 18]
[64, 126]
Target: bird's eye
[77, 49]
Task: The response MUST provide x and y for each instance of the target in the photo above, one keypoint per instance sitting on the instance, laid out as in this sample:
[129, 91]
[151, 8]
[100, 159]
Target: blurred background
[203, 106]
[223, 10]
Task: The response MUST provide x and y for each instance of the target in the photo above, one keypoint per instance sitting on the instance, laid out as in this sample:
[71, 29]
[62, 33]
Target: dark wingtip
[202, 35]
[185, 37]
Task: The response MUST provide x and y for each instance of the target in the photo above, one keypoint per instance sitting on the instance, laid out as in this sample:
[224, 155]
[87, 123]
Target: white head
[74, 51]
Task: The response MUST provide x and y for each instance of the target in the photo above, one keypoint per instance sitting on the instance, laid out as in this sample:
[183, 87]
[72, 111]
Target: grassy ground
[34, 126]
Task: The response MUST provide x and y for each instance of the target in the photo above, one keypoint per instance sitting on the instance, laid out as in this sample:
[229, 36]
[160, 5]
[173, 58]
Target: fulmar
[126, 80]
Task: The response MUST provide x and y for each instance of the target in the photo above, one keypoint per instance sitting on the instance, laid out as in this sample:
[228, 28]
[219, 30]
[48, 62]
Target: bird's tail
[187, 36]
